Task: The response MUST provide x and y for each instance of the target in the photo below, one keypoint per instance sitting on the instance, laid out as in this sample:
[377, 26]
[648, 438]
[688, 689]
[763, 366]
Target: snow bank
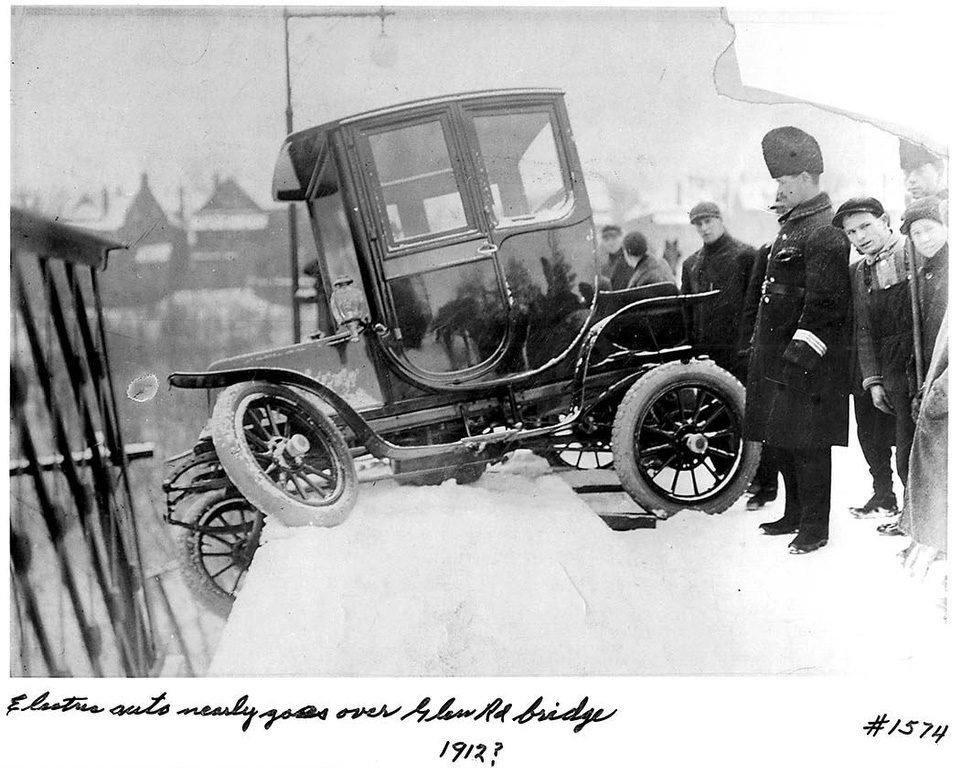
[516, 575]
[493, 578]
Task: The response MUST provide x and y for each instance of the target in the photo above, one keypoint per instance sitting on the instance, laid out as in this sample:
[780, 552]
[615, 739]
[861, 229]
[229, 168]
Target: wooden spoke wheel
[216, 549]
[284, 454]
[579, 451]
[677, 439]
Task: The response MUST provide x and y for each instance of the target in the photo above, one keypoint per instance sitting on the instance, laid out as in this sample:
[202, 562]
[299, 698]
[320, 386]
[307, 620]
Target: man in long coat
[797, 384]
[723, 264]
[923, 223]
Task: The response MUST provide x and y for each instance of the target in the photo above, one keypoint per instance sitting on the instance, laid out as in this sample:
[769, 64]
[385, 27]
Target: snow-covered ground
[517, 575]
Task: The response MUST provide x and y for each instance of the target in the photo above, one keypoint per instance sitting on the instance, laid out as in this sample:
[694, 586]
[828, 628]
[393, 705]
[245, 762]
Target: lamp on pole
[382, 14]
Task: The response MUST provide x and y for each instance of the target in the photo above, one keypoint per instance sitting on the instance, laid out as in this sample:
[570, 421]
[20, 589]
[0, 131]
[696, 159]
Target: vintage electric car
[466, 317]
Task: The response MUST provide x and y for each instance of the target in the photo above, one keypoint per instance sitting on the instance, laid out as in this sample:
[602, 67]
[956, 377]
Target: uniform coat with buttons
[799, 372]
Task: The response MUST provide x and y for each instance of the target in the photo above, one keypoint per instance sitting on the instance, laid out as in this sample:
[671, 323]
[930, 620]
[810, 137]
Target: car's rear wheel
[284, 454]
[216, 546]
[574, 451]
[677, 439]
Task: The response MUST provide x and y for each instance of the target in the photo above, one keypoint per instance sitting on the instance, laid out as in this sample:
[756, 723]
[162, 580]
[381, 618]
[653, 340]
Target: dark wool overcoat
[723, 265]
[798, 379]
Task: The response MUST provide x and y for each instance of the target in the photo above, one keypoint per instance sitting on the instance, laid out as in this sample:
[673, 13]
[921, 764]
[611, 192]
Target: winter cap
[788, 151]
[858, 205]
[635, 244]
[704, 210]
[924, 208]
[611, 229]
[912, 156]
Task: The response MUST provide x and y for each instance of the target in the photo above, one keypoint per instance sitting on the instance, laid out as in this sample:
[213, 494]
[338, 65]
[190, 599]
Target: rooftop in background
[229, 208]
[228, 195]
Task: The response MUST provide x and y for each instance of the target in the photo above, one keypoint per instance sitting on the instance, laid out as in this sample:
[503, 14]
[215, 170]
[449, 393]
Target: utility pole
[382, 14]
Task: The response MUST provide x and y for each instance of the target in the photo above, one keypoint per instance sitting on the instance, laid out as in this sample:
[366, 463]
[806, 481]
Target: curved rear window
[295, 166]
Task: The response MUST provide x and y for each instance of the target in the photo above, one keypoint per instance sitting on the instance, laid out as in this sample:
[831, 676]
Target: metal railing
[81, 597]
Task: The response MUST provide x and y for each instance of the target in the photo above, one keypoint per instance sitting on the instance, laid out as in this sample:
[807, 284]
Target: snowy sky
[98, 97]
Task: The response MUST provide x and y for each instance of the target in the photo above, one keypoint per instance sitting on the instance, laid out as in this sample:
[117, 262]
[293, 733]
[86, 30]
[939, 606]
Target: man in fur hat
[797, 385]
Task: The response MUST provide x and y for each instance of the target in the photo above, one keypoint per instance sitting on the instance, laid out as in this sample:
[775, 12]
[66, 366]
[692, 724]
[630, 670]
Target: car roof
[301, 150]
[416, 104]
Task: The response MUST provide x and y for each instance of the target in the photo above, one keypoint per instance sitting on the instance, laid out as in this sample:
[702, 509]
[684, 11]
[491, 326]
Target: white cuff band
[811, 340]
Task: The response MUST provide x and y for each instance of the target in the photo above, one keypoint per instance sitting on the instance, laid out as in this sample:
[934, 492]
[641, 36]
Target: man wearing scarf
[883, 335]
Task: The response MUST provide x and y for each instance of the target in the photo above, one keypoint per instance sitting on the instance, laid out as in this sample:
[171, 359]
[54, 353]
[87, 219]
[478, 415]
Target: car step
[610, 488]
[628, 521]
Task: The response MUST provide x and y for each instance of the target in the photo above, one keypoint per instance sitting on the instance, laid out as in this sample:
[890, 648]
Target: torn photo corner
[428, 433]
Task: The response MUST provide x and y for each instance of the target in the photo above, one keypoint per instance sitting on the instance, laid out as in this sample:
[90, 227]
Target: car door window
[525, 175]
[417, 184]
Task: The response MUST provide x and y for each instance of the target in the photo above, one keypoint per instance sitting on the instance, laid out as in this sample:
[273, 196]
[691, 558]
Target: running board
[599, 489]
[624, 521]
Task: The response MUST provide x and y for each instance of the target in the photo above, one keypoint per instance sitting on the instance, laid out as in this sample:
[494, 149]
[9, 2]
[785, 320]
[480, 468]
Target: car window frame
[557, 124]
[476, 222]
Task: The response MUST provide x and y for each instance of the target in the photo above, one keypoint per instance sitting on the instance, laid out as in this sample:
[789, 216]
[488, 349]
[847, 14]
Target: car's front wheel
[284, 454]
[677, 439]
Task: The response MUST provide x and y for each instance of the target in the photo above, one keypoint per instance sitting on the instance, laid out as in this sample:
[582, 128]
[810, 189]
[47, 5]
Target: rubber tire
[192, 510]
[245, 473]
[635, 404]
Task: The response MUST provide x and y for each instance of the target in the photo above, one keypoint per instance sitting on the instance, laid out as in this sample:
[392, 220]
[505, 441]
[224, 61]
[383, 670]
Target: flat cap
[635, 244]
[924, 208]
[611, 229]
[912, 156]
[858, 205]
[704, 210]
[788, 151]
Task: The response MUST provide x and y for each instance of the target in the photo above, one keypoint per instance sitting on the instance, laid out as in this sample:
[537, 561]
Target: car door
[540, 221]
[443, 284]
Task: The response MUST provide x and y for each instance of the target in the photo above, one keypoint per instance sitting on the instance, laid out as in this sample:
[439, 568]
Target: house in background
[154, 264]
[229, 234]
[229, 242]
[236, 243]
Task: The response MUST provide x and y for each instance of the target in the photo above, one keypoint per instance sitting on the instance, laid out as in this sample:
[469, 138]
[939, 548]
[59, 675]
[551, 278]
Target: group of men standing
[803, 327]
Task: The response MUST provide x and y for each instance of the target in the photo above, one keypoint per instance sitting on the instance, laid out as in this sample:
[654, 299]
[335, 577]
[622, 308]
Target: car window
[417, 182]
[523, 166]
[329, 215]
[451, 319]
[334, 231]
